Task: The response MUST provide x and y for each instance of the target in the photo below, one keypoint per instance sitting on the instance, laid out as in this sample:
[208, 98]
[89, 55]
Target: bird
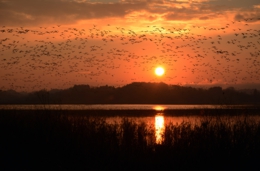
[60, 56]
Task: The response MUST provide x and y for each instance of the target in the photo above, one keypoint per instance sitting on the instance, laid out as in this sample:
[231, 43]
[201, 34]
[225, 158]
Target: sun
[159, 71]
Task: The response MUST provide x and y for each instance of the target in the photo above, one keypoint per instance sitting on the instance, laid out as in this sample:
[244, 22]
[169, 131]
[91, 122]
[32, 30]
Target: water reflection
[158, 108]
[159, 128]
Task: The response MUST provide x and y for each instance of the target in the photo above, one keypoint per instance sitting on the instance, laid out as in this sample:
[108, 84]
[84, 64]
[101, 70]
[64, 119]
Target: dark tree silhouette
[134, 93]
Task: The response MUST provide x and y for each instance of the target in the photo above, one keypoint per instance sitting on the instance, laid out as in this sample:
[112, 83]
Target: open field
[72, 140]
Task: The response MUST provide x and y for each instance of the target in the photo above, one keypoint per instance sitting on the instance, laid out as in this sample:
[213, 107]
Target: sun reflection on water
[159, 128]
[158, 108]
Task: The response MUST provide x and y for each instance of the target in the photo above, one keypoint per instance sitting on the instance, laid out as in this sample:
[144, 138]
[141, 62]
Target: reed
[35, 140]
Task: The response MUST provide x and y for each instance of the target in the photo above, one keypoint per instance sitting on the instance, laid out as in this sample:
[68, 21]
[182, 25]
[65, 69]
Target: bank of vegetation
[56, 140]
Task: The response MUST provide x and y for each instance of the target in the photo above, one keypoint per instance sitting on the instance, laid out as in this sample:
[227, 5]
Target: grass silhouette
[62, 140]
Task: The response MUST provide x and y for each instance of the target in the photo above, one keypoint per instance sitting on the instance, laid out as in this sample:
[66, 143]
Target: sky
[55, 44]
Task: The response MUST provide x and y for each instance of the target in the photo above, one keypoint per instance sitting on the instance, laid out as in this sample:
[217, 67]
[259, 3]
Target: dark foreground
[63, 140]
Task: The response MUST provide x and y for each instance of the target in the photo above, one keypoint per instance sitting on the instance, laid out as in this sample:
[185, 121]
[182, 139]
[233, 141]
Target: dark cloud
[204, 10]
[204, 18]
[35, 12]
[234, 3]
[181, 14]
[39, 11]
[251, 16]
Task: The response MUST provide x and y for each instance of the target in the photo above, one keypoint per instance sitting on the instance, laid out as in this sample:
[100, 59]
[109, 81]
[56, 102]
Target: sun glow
[159, 71]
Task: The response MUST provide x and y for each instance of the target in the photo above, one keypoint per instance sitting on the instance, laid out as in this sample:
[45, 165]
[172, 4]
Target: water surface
[154, 115]
[120, 107]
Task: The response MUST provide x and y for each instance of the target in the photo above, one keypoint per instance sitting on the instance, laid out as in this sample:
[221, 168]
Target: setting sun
[159, 71]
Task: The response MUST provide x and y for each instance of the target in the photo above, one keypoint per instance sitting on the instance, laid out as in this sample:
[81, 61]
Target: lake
[155, 115]
[158, 107]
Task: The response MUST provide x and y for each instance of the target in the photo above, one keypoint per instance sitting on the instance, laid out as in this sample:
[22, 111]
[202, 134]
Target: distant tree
[43, 96]
[134, 93]
[215, 95]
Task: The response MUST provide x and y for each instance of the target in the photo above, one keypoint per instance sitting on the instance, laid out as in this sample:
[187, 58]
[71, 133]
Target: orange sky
[59, 43]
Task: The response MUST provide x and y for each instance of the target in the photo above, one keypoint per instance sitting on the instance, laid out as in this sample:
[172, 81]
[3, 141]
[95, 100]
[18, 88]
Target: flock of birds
[61, 56]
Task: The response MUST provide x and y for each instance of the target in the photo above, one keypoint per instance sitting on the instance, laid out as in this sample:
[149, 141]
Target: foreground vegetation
[57, 140]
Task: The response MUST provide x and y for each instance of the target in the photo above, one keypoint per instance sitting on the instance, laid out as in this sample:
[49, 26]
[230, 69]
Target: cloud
[32, 12]
[234, 3]
[205, 10]
[204, 18]
[251, 16]
[181, 14]
[37, 12]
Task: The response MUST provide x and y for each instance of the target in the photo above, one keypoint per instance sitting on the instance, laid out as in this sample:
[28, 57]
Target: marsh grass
[57, 140]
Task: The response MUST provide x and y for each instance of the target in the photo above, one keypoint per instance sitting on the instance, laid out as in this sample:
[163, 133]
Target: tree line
[134, 93]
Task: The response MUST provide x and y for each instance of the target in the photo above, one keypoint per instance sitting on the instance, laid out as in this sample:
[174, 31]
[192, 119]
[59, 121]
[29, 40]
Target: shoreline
[140, 113]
